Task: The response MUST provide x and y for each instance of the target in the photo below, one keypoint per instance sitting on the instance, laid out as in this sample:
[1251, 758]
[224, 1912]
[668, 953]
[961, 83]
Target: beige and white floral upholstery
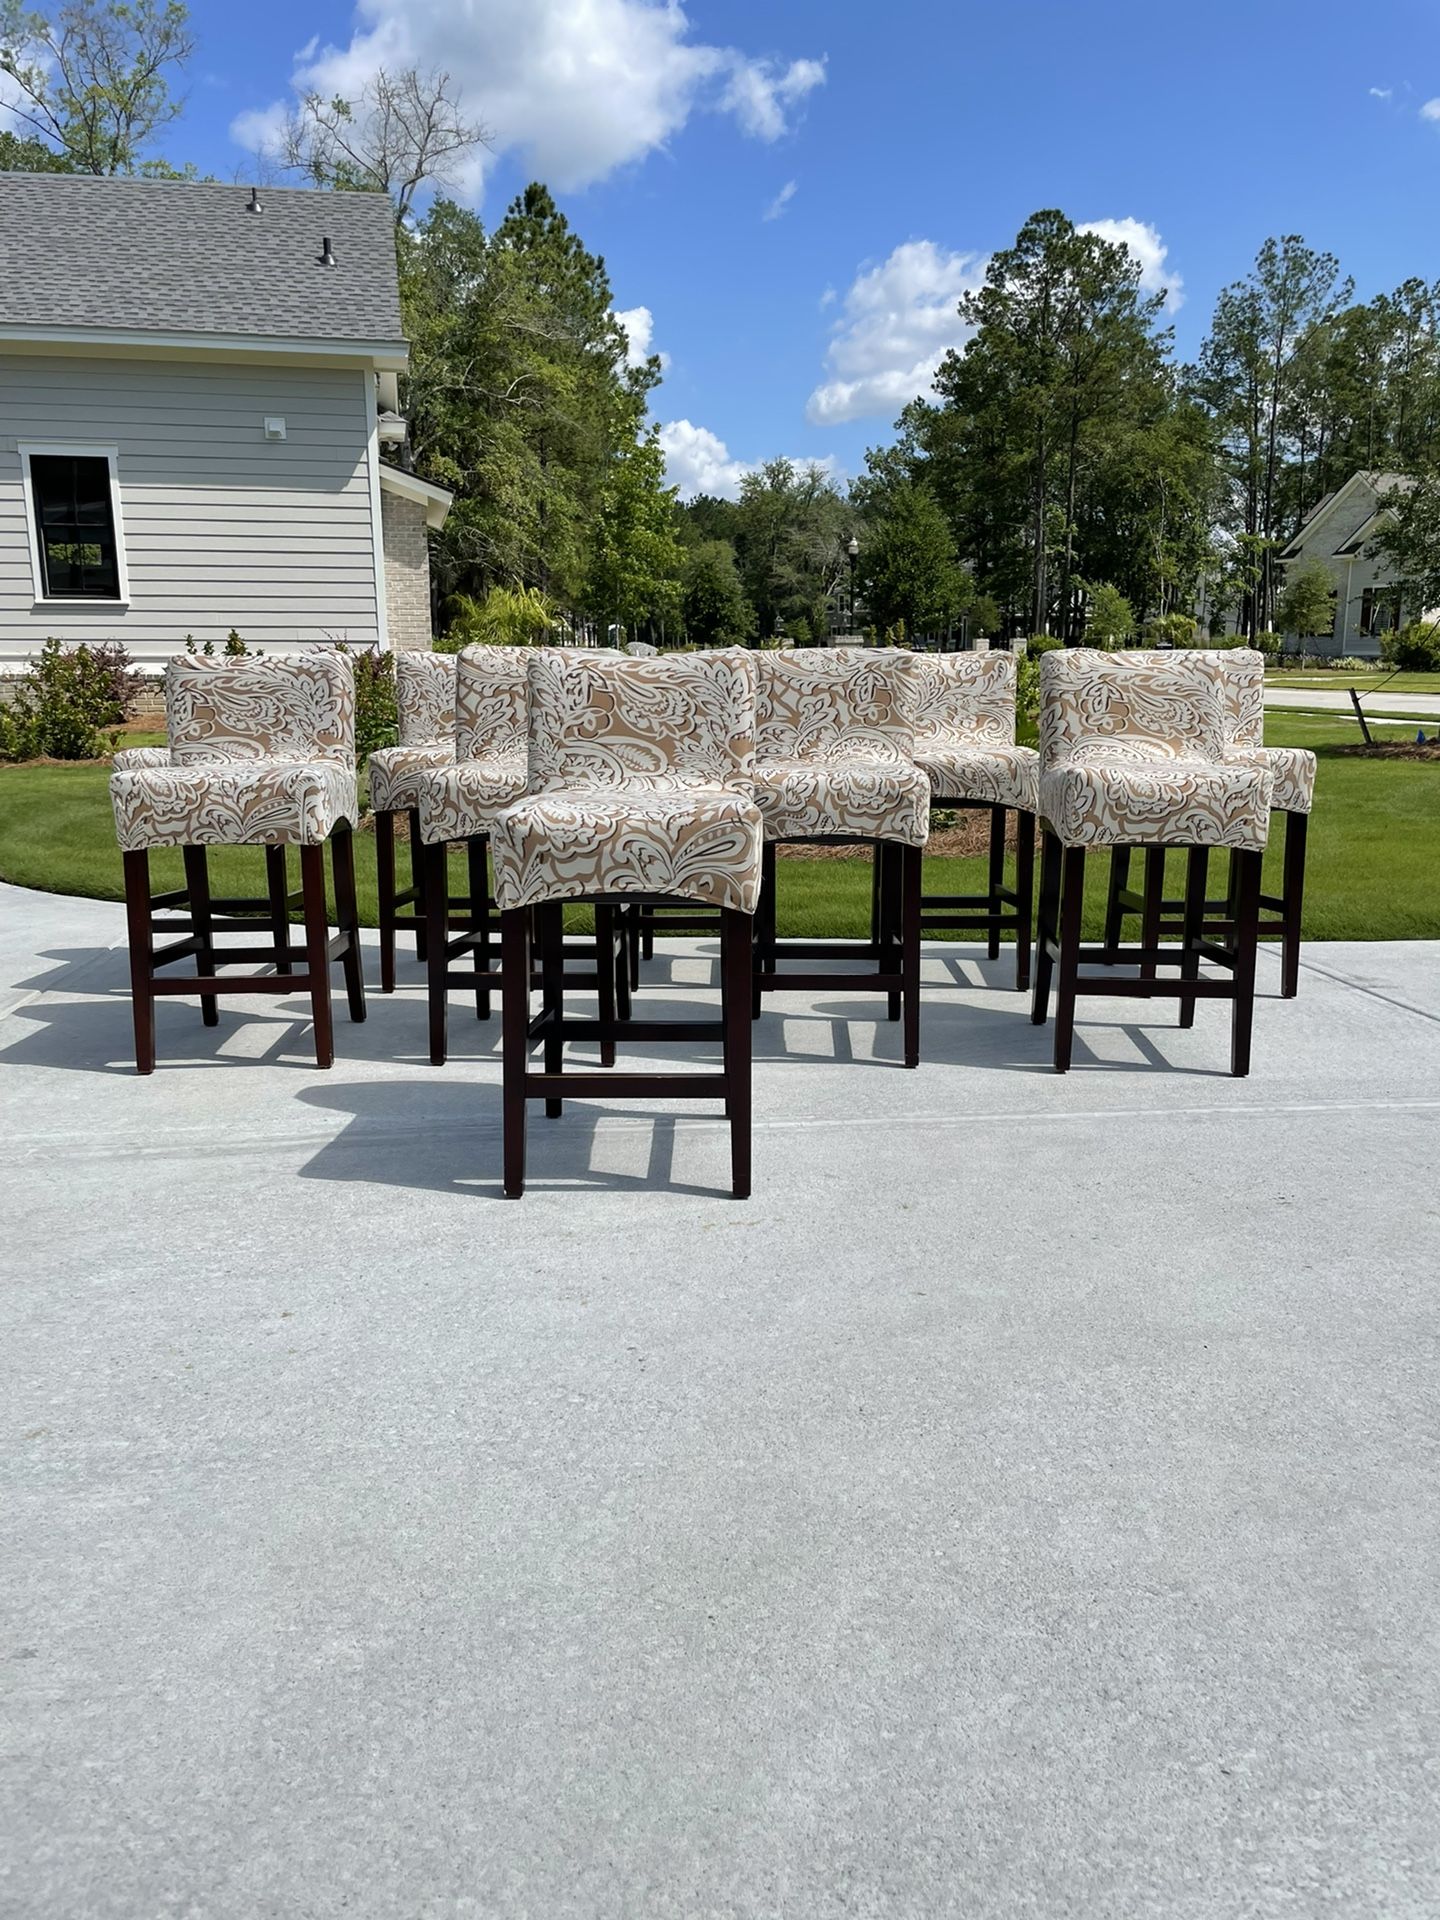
[425, 710]
[640, 770]
[1132, 753]
[261, 753]
[1242, 671]
[964, 706]
[128, 759]
[488, 767]
[835, 746]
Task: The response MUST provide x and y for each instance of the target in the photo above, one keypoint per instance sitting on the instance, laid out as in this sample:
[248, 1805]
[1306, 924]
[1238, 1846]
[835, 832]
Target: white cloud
[782, 200]
[698, 461]
[1148, 250]
[578, 87]
[899, 321]
[1430, 110]
[639, 325]
[1382, 93]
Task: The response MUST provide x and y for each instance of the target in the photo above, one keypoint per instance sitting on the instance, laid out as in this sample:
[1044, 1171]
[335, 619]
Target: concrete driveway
[1025, 1505]
[1409, 706]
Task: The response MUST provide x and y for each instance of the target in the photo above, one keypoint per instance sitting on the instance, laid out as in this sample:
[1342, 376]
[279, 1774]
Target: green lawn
[1334, 682]
[1374, 870]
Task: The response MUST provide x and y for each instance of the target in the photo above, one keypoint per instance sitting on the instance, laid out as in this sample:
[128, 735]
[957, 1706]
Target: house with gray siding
[1339, 532]
[196, 382]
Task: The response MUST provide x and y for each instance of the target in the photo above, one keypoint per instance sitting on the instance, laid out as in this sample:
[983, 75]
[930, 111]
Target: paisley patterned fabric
[396, 774]
[425, 698]
[490, 697]
[266, 803]
[1291, 768]
[1173, 803]
[1242, 675]
[997, 776]
[962, 699]
[129, 758]
[609, 720]
[1132, 753]
[293, 710]
[693, 843]
[461, 799]
[1130, 706]
[835, 746]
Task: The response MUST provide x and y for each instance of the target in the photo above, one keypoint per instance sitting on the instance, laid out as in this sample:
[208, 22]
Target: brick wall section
[407, 572]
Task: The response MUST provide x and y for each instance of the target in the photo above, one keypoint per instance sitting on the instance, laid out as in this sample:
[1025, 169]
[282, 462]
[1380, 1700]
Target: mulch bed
[966, 839]
[1390, 750]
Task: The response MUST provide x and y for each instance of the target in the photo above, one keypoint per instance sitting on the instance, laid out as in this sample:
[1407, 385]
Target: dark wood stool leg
[996, 879]
[1247, 935]
[1197, 868]
[347, 914]
[1025, 894]
[1292, 893]
[736, 935]
[277, 887]
[477, 868]
[764, 925]
[1072, 902]
[1047, 925]
[632, 943]
[435, 868]
[891, 861]
[551, 928]
[1114, 912]
[142, 946]
[317, 951]
[910, 949]
[418, 869]
[605, 977]
[620, 936]
[1154, 902]
[514, 1039]
[876, 925]
[197, 886]
[385, 889]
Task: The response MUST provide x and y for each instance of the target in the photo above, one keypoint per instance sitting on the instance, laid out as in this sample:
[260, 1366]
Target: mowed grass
[1374, 867]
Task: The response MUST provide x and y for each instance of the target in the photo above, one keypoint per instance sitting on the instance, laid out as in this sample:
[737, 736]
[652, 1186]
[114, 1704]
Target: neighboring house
[195, 382]
[1339, 532]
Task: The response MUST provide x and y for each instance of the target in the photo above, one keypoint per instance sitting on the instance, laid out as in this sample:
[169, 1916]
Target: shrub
[377, 720]
[1109, 616]
[68, 696]
[1172, 630]
[1269, 643]
[1414, 649]
[506, 617]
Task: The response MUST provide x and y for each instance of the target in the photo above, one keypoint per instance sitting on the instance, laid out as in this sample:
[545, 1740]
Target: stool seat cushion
[998, 776]
[394, 773]
[236, 803]
[867, 799]
[461, 800]
[1092, 802]
[1293, 769]
[698, 843]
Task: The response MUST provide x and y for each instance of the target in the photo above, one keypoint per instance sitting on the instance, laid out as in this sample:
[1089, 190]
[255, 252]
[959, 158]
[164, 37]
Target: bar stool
[1132, 755]
[640, 770]
[261, 753]
[835, 764]
[425, 706]
[964, 706]
[1293, 769]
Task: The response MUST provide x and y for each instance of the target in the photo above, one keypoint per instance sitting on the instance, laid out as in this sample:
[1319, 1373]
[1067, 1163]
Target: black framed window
[75, 526]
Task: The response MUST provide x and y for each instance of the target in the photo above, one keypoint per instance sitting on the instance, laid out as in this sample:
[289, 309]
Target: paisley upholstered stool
[261, 754]
[1293, 768]
[835, 763]
[1132, 754]
[425, 708]
[965, 742]
[640, 793]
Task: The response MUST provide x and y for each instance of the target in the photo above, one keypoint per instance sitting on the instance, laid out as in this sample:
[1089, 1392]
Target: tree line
[1067, 474]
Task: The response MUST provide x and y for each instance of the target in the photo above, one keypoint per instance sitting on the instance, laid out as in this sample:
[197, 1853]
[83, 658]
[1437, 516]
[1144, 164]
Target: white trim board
[72, 450]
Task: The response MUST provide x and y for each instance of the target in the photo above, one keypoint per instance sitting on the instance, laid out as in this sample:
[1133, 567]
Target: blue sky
[893, 148]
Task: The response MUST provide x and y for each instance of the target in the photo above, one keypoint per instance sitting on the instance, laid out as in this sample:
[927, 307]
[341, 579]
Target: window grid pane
[79, 557]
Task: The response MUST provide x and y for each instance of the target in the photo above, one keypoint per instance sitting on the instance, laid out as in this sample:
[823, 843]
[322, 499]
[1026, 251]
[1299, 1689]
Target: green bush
[65, 701]
[1414, 649]
[506, 617]
[1172, 630]
[1269, 643]
[377, 719]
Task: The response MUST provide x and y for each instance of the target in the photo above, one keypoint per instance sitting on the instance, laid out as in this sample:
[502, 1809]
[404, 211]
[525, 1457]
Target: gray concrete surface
[1024, 1506]
[1378, 705]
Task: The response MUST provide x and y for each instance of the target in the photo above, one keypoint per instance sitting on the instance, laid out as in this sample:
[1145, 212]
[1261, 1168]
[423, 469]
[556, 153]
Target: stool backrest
[610, 720]
[835, 703]
[964, 698]
[1242, 683]
[297, 708]
[490, 702]
[1133, 706]
[425, 698]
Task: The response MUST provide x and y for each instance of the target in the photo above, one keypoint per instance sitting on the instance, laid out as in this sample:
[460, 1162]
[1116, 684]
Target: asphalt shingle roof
[169, 256]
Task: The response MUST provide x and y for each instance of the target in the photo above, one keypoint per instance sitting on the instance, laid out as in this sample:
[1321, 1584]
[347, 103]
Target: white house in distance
[195, 382]
[1338, 532]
